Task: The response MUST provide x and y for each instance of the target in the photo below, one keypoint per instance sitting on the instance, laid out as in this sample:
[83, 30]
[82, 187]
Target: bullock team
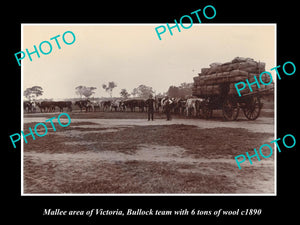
[180, 106]
[47, 106]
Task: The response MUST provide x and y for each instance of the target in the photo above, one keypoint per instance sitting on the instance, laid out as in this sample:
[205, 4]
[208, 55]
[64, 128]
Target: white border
[158, 194]
[22, 115]
[275, 115]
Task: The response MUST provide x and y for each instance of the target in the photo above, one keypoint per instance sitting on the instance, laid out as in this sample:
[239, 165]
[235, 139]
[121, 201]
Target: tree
[186, 85]
[27, 93]
[109, 88]
[124, 93]
[182, 91]
[173, 92]
[33, 92]
[79, 90]
[185, 89]
[88, 91]
[85, 91]
[142, 91]
[161, 95]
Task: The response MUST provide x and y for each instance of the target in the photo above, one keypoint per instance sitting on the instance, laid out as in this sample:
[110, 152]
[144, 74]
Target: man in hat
[150, 106]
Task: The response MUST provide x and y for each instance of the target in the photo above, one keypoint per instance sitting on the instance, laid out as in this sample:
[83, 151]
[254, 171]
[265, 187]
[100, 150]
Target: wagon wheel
[230, 109]
[252, 108]
[206, 111]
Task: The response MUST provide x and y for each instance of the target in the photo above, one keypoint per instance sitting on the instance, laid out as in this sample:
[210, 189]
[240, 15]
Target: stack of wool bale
[220, 78]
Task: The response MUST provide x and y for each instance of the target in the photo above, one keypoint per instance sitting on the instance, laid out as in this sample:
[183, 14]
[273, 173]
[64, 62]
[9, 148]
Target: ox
[133, 103]
[129, 103]
[47, 106]
[193, 105]
[141, 104]
[171, 103]
[95, 105]
[157, 103]
[28, 106]
[84, 104]
[63, 104]
[118, 105]
[105, 105]
[179, 105]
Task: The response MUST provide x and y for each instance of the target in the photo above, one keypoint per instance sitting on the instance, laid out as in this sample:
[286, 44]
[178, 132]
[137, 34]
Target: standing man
[150, 106]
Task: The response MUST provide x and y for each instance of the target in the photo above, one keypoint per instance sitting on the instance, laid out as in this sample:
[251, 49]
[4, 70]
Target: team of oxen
[181, 106]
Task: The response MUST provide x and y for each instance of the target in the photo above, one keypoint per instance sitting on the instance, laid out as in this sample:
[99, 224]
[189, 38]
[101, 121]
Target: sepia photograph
[111, 109]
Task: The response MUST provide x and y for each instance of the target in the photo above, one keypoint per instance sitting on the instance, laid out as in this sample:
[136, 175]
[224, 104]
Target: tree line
[142, 91]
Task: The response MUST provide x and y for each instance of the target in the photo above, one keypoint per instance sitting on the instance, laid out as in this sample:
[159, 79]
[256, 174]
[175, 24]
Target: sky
[132, 54]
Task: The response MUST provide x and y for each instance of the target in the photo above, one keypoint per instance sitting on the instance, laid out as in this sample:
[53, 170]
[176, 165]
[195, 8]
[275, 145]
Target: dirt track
[264, 124]
[129, 156]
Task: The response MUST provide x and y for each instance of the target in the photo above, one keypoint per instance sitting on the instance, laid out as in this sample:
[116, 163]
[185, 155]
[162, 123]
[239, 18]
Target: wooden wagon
[216, 86]
[230, 103]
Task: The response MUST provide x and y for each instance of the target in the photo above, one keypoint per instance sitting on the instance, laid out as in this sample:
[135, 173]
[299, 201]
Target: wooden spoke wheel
[230, 109]
[252, 108]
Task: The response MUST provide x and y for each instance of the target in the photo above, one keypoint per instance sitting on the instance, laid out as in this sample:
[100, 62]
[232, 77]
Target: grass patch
[209, 143]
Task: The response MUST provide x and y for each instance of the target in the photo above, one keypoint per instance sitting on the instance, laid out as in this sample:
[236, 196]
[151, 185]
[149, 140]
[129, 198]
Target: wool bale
[221, 78]
[241, 59]
[238, 73]
[216, 64]
[196, 79]
[204, 70]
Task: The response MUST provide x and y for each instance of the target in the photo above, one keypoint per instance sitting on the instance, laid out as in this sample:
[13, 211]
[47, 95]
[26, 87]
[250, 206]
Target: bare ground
[136, 156]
